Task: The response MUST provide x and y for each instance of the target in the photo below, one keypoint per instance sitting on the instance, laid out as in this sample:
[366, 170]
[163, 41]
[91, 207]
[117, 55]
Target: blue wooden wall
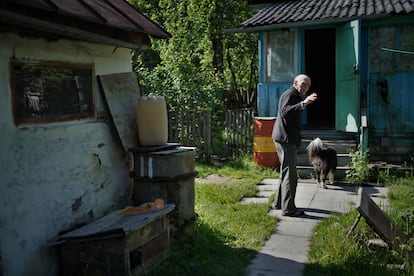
[268, 95]
[401, 111]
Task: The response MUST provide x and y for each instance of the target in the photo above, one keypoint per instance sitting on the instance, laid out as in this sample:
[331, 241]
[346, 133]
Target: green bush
[359, 171]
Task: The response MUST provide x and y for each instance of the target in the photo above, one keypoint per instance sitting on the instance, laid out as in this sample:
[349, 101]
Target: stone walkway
[285, 252]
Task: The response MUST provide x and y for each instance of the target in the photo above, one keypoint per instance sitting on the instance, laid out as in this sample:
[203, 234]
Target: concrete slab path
[285, 252]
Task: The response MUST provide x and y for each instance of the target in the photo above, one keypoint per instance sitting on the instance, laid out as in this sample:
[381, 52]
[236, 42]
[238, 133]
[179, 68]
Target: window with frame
[281, 60]
[48, 92]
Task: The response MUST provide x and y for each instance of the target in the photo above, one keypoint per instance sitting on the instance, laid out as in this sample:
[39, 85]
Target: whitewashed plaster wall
[54, 176]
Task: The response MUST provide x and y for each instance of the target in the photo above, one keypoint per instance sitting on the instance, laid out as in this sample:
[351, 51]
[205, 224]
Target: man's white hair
[301, 77]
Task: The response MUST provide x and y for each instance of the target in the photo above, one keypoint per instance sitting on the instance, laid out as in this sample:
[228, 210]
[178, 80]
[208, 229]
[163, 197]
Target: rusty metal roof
[114, 22]
[319, 11]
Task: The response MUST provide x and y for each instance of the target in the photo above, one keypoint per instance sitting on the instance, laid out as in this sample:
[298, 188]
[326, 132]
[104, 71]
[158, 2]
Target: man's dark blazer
[288, 124]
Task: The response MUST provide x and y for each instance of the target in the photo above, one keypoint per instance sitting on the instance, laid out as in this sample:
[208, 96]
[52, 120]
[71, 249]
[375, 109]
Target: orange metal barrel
[264, 147]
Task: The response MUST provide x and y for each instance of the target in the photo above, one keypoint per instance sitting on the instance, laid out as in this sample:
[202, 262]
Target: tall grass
[332, 252]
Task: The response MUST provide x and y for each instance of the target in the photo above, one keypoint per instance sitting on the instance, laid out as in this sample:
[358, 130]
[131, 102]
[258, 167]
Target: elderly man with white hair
[287, 137]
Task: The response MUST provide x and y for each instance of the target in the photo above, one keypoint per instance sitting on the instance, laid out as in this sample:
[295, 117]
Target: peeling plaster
[76, 204]
[98, 160]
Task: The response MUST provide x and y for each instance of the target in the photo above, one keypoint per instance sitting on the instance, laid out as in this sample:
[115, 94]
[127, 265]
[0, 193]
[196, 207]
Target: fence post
[206, 115]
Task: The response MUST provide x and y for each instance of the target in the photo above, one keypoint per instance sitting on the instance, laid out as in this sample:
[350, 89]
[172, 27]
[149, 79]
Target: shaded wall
[391, 120]
[54, 176]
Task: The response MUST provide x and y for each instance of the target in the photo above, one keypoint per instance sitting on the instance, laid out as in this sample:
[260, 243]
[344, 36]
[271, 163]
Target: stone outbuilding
[60, 165]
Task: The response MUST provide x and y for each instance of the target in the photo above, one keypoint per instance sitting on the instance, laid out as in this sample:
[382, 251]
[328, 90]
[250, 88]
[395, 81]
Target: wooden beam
[24, 22]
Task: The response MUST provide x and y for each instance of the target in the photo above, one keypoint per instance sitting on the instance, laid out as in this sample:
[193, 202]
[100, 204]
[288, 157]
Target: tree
[199, 66]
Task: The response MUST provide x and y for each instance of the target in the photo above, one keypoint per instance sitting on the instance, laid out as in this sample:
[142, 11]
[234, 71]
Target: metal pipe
[397, 51]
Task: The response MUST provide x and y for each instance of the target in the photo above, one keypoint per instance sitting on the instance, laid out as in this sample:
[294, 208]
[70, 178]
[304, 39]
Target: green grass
[227, 234]
[242, 167]
[332, 252]
[401, 195]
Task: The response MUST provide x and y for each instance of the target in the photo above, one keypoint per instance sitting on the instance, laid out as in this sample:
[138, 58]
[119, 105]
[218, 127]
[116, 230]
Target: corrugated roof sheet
[116, 19]
[286, 11]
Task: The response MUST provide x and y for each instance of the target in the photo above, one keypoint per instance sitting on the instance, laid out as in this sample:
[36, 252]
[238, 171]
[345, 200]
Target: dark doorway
[320, 66]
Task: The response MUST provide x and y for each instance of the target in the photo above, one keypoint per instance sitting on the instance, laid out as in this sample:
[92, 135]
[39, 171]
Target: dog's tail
[314, 148]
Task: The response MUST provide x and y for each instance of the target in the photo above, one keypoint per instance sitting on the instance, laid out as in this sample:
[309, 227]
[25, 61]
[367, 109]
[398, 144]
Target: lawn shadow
[316, 214]
[265, 264]
[205, 251]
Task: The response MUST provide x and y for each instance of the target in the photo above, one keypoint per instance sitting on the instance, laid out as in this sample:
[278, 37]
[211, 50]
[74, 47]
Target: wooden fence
[239, 131]
[193, 128]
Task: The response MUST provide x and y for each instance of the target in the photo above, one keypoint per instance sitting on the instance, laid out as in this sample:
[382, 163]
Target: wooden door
[347, 76]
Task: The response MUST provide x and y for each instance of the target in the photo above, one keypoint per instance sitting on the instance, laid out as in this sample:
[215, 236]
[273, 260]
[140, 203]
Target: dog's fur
[324, 161]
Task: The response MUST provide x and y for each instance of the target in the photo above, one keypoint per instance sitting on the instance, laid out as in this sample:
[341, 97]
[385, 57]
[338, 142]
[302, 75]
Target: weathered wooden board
[379, 222]
[116, 244]
[121, 92]
[116, 223]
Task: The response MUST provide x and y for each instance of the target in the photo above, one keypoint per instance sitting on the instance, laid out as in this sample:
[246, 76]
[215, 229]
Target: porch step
[328, 134]
[342, 142]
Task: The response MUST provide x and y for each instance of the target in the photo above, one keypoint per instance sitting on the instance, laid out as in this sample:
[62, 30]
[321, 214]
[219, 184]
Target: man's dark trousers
[285, 196]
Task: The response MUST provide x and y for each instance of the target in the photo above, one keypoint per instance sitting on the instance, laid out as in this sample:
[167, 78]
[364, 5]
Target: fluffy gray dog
[324, 161]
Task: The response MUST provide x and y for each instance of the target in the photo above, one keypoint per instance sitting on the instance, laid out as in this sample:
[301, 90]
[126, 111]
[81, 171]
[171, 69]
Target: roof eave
[310, 23]
[29, 23]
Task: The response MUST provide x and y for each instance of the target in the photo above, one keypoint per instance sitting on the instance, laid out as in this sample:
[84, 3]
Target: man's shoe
[297, 213]
[274, 207]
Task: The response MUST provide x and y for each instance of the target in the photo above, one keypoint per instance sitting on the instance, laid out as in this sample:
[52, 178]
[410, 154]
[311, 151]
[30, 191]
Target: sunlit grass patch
[333, 252]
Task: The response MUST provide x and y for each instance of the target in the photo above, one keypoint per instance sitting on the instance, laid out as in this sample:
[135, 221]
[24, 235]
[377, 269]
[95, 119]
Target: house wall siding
[391, 130]
[397, 116]
[55, 176]
[390, 74]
